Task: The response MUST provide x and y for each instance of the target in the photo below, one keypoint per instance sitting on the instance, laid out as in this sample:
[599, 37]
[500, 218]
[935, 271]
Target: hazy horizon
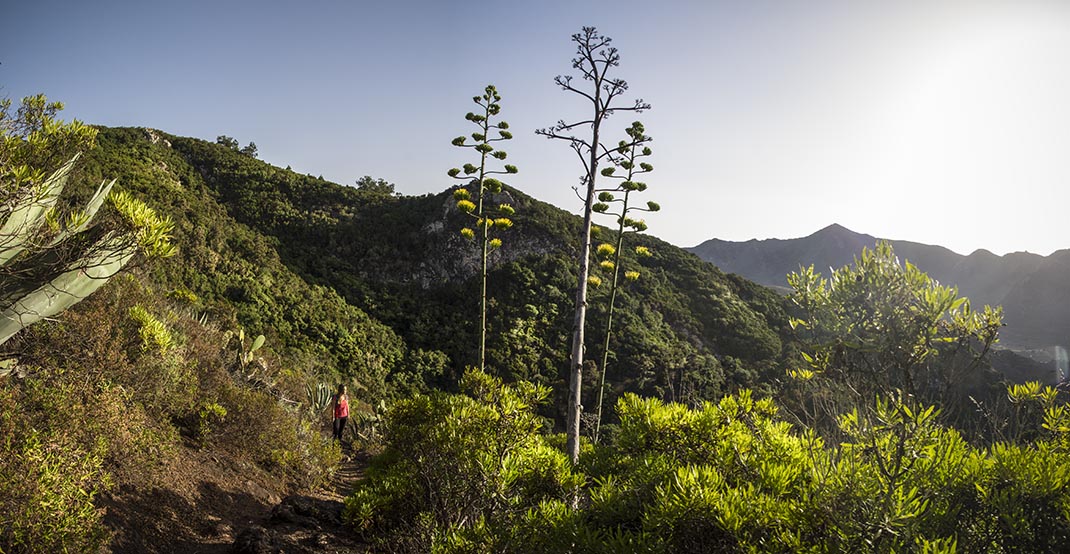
[941, 122]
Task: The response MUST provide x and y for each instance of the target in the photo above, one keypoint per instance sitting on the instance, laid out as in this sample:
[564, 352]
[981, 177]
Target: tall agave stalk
[595, 58]
[484, 185]
[628, 156]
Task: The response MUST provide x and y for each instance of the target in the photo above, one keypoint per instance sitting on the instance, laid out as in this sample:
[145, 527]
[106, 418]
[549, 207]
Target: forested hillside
[379, 287]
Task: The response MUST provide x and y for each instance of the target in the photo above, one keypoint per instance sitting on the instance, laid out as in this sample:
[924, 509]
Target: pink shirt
[341, 406]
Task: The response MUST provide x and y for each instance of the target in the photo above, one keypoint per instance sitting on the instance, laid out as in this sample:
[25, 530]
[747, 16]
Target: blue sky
[937, 121]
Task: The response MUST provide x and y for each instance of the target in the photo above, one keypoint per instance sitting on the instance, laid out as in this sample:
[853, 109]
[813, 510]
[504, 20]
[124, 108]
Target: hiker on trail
[341, 412]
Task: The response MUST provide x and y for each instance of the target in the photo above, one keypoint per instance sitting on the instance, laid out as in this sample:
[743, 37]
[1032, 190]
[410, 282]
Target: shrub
[48, 482]
[457, 469]
[725, 477]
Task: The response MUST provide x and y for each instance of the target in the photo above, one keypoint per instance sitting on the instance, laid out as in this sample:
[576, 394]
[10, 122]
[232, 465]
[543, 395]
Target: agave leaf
[28, 215]
[90, 211]
[82, 278]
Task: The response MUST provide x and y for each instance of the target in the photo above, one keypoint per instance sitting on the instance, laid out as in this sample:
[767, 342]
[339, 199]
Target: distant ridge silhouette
[1034, 290]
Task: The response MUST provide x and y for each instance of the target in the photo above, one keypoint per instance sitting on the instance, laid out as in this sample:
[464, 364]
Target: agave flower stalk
[595, 58]
[628, 158]
[480, 179]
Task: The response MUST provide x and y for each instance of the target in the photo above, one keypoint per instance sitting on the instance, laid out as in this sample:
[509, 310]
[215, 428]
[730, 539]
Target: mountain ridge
[1033, 289]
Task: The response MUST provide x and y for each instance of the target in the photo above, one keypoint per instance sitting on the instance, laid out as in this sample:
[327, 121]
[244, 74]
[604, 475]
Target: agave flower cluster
[480, 177]
[616, 201]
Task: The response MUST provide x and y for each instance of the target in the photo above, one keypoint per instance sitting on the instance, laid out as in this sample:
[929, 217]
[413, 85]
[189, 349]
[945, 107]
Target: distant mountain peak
[1034, 290]
[835, 228]
[837, 231]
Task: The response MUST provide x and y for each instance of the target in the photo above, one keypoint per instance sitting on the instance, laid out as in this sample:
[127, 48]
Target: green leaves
[895, 324]
[151, 232]
[462, 458]
[46, 266]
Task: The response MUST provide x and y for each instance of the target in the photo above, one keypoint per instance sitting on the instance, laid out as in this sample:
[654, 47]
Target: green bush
[726, 477]
[48, 481]
[456, 467]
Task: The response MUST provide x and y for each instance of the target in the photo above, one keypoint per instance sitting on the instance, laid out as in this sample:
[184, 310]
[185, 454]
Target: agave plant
[319, 397]
[32, 230]
[483, 184]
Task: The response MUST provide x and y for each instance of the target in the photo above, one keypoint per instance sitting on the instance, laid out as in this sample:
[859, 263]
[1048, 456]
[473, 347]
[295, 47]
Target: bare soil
[205, 502]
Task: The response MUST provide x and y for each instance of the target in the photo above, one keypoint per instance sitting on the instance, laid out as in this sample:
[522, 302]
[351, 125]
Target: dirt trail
[309, 523]
[210, 504]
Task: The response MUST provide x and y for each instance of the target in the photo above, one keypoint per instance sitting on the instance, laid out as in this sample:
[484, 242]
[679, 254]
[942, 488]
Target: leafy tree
[33, 142]
[232, 143]
[628, 159]
[229, 142]
[249, 150]
[376, 187]
[879, 326]
[485, 187]
[50, 260]
[594, 60]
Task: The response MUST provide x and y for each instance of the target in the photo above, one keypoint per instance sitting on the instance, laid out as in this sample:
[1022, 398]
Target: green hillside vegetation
[687, 332]
[356, 285]
[889, 454]
[112, 392]
[473, 472]
[233, 273]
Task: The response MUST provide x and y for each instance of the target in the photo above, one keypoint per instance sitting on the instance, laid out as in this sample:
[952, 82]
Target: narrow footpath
[312, 523]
